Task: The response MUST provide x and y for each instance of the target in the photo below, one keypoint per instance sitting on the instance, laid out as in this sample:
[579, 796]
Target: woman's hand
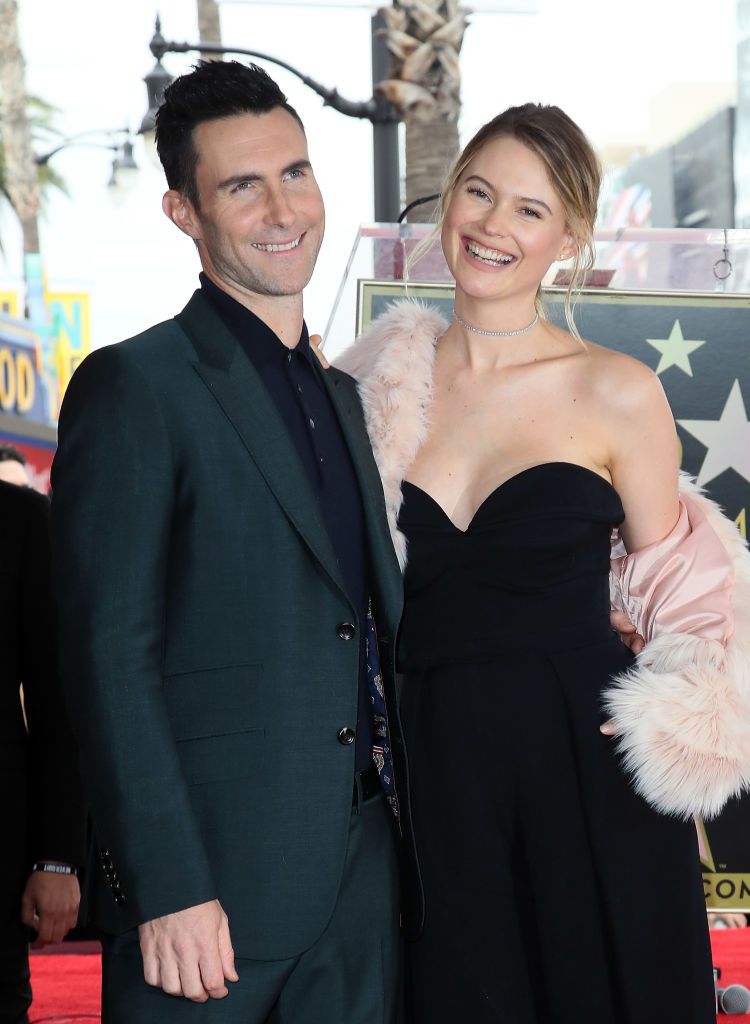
[315, 340]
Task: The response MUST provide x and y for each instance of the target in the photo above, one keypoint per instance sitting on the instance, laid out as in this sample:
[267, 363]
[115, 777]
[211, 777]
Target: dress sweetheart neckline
[505, 483]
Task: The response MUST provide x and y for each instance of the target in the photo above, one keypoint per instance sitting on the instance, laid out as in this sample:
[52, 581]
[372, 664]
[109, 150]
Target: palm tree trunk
[431, 147]
[209, 26]
[424, 38]
[20, 165]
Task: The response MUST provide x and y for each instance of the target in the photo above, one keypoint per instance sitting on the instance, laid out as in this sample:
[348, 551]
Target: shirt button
[312, 423]
[289, 357]
[299, 388]
[345, 736]
[346, 630]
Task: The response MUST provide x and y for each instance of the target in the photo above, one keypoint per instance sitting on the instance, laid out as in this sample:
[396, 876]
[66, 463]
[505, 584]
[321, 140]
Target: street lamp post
[119, 144]
[377, 110]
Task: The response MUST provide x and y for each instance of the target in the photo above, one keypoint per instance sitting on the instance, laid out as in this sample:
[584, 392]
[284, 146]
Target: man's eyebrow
[236, 179]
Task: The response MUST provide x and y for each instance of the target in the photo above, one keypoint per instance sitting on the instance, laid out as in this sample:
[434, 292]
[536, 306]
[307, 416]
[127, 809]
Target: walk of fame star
[727, 439]
[675, 350]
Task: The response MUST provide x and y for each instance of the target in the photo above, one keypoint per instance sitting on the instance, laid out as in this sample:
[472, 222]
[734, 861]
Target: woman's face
[504, 224]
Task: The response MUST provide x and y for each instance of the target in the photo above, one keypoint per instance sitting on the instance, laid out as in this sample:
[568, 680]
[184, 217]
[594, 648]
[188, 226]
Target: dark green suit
[200, 604]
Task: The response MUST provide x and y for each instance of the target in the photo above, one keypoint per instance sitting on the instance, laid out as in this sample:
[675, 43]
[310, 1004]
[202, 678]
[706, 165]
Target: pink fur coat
[683, 710]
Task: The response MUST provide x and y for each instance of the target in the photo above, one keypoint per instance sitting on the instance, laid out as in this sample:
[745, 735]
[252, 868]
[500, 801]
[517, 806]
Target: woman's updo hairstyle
[573, 170]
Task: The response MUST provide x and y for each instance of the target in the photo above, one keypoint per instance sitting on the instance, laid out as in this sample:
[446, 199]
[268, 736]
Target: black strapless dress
[553, 894]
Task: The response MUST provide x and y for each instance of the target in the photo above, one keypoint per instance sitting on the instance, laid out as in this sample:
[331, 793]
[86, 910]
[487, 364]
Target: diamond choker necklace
[496, 334]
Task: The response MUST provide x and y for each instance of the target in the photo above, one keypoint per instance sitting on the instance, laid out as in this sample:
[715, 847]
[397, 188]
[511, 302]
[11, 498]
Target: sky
[601, 60]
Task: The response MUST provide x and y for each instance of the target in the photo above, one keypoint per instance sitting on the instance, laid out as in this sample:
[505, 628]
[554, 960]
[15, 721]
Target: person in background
[42, 848]
[13, 466]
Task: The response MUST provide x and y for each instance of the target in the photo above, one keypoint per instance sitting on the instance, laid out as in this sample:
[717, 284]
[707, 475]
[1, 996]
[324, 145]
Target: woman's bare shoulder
[624, 384]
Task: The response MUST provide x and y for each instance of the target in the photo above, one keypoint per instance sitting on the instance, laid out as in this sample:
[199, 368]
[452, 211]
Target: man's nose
[278, 209]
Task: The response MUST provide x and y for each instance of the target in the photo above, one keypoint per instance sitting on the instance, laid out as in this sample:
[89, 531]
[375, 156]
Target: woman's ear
[569, 247]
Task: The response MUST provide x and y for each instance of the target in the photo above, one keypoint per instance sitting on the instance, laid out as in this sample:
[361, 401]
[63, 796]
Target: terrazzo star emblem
[675, 350]
[727, 439]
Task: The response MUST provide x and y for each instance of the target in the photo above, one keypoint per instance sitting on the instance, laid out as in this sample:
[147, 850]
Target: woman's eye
[532, 213]
[477, 192]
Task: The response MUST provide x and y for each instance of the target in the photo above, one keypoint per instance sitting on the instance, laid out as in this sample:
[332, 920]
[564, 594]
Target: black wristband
[55, 869]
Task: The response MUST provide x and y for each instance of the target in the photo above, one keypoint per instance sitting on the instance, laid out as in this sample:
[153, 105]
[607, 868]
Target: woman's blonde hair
[574, 172]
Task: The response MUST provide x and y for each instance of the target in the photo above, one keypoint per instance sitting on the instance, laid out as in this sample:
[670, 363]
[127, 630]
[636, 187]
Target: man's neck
[282, 313]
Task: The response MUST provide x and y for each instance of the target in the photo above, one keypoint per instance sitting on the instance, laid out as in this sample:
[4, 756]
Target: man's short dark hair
[10, 454]
[214, 89]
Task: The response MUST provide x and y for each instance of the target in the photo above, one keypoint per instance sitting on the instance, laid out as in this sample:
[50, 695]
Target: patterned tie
[381, 749]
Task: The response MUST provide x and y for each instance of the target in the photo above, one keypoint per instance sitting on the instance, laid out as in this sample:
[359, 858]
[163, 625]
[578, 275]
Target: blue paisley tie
[381, 749]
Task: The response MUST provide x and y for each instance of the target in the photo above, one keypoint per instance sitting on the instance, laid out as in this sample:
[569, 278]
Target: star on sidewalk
[675, 350]
[727, 439]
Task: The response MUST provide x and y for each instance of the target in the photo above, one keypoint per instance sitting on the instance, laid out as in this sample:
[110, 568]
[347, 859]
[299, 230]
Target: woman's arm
[644, 460]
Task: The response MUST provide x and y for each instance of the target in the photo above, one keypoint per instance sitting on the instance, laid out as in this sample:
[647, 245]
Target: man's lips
[486, 255]
[280, 247]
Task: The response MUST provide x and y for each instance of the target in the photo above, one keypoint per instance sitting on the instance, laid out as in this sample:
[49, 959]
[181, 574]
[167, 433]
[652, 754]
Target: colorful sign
[62, 329]
[24, 391]
[70, 328]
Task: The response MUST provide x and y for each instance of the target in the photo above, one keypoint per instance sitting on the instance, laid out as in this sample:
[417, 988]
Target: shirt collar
[261, 344]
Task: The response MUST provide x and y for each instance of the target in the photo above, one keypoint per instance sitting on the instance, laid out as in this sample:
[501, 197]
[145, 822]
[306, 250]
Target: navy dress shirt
[292, 377]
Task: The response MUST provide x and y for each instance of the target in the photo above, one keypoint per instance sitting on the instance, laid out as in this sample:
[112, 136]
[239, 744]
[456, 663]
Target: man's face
[261, 217]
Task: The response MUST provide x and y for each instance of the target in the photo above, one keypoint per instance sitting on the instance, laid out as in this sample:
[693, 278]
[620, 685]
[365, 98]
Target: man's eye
[296, 172]
[242, 186]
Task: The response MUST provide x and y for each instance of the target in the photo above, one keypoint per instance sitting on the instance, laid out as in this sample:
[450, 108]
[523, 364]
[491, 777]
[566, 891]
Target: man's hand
[189, 953]
[49, 905]
[620, 622]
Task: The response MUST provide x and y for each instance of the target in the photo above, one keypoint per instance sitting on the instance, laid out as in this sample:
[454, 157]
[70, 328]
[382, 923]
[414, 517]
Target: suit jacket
[204, 653]
[39, 783]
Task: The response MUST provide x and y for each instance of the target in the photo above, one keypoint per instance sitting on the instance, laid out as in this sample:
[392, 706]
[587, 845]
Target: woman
[559, 866]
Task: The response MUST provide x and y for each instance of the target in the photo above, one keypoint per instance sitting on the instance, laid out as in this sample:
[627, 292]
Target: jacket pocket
[215, 702]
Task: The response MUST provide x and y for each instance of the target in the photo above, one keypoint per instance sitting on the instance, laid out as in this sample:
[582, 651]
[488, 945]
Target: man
[43, 814]
[220, 535]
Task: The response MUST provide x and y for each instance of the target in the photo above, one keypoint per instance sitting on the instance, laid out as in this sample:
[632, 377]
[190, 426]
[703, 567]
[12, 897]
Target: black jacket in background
[40, 794]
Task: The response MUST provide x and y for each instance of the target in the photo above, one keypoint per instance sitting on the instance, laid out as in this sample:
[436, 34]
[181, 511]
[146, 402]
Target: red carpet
[731, 949]
[67, 986]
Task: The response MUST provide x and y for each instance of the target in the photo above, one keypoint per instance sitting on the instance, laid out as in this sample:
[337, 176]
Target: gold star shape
[675, 350]
[727, 439]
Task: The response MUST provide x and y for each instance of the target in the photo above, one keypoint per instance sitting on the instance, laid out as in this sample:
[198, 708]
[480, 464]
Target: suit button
[346, 630]
[346, 736]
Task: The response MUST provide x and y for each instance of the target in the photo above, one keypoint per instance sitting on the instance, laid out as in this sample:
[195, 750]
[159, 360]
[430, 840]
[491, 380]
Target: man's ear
[181, 212]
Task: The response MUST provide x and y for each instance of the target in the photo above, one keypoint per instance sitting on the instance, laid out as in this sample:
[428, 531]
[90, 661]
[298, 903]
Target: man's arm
[112, 517]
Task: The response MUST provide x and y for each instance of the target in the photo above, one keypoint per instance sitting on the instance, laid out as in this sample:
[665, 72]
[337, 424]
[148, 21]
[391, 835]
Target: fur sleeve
[392, 362]
[683, 710]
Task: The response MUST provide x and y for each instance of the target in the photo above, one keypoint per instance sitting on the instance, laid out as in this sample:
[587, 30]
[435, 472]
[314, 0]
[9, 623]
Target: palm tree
[40, 115]
[209, 26]
[20, 180]
[425, 39]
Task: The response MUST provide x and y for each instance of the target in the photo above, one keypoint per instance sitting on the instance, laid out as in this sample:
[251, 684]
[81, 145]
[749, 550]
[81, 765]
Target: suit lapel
[235, 385]
[342, 390]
